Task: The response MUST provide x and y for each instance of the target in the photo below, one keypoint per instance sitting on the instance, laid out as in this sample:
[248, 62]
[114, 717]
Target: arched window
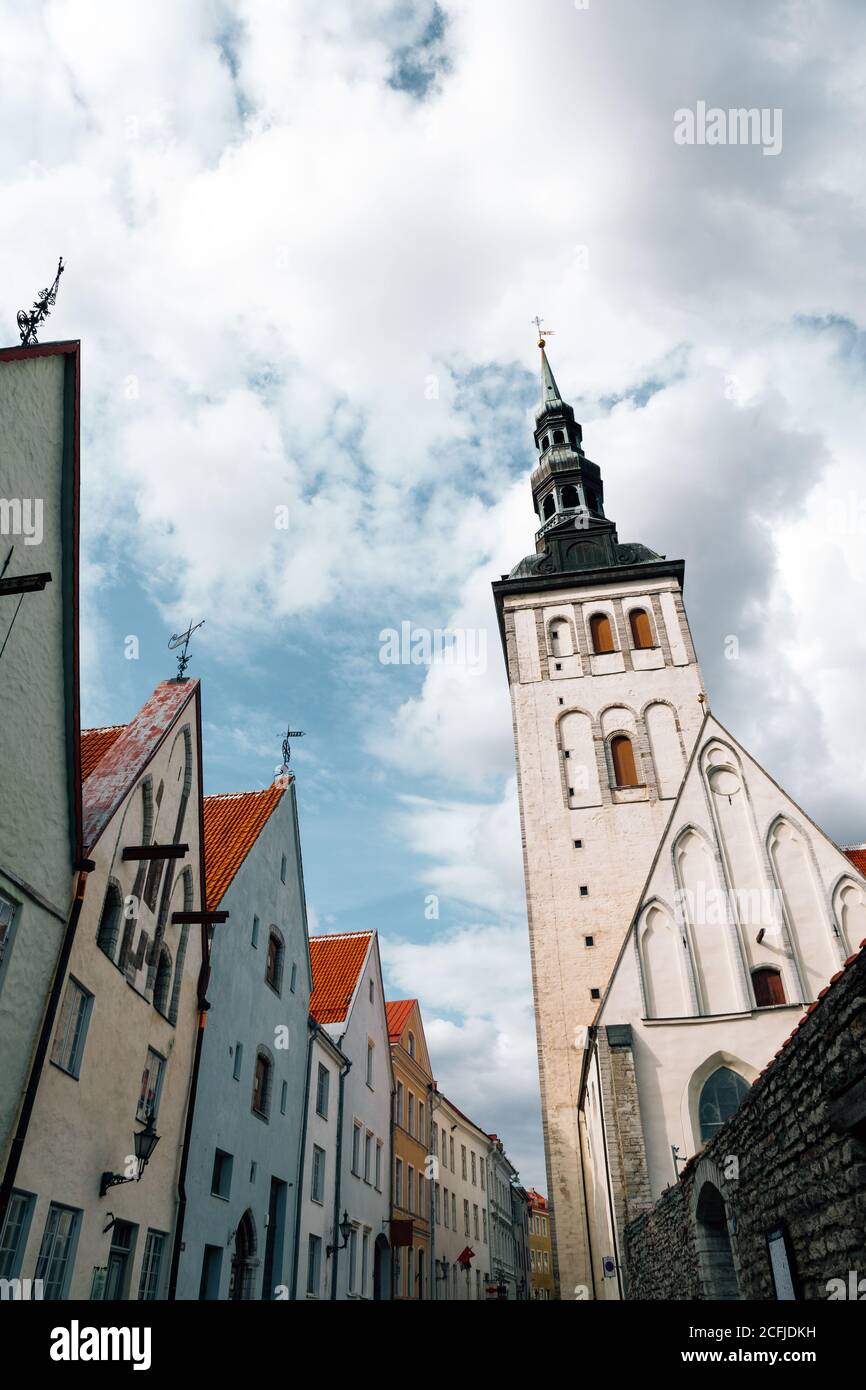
[721, 1095]
[768, 986]
[263, 1082]
[109, 922]
[411, 1043]
[558, 437]
[274, 960]
[548, 506]
[162, 984]
[622, 757]
[570, 496]
[641, 632]
[545, 441]
[601, 634]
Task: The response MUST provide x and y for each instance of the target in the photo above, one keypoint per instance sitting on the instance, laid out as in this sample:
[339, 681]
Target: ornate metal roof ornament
[181, 640]
[282, 772]
[29, 323]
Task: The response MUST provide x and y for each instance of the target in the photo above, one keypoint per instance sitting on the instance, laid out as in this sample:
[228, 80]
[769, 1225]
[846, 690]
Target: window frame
[72, 1067]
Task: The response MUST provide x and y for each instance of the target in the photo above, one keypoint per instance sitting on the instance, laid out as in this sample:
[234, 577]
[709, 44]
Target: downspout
[312, 1031]
[344, 1072]
[16, 1149]
[431, 1266]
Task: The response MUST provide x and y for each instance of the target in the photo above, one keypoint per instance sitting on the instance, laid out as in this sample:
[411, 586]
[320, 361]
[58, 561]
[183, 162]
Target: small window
[558, 437]
[548, 506]
[314, 1266]
[595, 994]
[254, 1168]
[768, 986]
[72, 1028]
[601, 634]
[578, 844]
[410, 1042]
[317, 1186]
[589, 941]
[560, 700]
[371, 991]
[584, 891]
[370, 1054]
[357, 1137]
[294, 977]
[109, 922]
[262, 1084]
[274, 960]
[622, 756]
[323, 1086]
[545, 441]
[7, 914]
[283, 863]
[255, 935]
[641, 632]
[16, 1229]
[57, 1251]
[239, 1061]
[151, 1087]
[570, 496]
[151, 1266]
[284, 1096]
[221, 1178]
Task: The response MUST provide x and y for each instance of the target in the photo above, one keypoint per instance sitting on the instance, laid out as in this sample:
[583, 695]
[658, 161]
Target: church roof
[232, 824]
[857, 855]
[337, 962]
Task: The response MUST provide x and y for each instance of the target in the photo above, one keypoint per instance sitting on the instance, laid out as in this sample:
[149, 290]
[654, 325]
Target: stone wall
[794, 1154]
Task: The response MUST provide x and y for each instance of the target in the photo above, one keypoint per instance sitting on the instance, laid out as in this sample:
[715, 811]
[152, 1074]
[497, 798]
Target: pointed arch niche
[849, 909]
[580, 769]
[704, 908]
[803, 900]
[661, 962]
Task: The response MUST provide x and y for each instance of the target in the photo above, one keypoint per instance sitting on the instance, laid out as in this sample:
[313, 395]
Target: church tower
[605, 689]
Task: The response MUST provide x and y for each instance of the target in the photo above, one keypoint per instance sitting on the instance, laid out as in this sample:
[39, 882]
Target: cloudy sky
[304, 242]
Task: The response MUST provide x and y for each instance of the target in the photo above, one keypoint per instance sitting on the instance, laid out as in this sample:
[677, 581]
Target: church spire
[549, 390]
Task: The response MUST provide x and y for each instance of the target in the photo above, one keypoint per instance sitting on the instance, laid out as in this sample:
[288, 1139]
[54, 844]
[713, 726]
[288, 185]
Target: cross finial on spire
[542, 332]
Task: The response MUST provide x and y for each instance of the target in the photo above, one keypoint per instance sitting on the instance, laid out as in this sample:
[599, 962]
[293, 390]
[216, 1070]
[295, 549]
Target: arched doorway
[381, 1269]
[713, 1241]
[244, 1260]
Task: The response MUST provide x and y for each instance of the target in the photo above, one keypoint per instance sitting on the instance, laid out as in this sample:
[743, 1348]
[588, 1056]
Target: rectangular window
[314, 1266]
[451, 1142]
[546, 1261]
[421, 1134]
[484, 1225]
[398, 1104]
[410, 1189]
[378, 1165]
[255, 936]
[463, 1161]
[411, 1114]
[239, 1060]
[473, 1167]
[283, 865]
[16, 1229]
[151, 1087]
[294, 978]
[365, 1260]
[357, 1134]
[221, 1178]
[211, 1269]
[453, 1211]
[317, 1190]
[72, 1028]
[323, 1086]
[435, 1144]
[368, 1157]
[483, 1173]
[370, 1049]
[398, 1182]
[445, 1223]
[466, 1216]
[151, 1266]
[56, 1253]
[353, 1258]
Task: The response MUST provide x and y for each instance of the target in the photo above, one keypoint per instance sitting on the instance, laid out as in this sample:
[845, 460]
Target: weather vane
[543, 332]
[29, 323]
[283, 770]
[181, 639]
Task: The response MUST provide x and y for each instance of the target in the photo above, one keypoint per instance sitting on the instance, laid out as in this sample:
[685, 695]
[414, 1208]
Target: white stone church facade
[651, 841]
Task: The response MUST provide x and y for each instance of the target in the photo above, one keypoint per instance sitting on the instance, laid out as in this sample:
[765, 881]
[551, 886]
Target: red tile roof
[128, 754]
[232, 824]
[398, 1011]
[95, 743]
[857, 855]
[337, 962]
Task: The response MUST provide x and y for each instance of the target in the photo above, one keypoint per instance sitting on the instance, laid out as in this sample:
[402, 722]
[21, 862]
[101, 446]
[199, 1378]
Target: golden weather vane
[542, 332]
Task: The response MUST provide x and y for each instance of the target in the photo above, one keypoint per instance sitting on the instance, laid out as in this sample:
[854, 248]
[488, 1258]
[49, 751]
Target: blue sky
[304, 246]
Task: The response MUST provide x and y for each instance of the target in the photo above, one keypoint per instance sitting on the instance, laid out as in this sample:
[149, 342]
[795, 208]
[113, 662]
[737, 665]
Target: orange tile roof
[337, 961]
[857, 855]
[232, 824]
[398, 1011]
[95, 743]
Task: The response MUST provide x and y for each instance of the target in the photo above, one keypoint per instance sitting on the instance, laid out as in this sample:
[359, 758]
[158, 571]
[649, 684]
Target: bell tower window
[548, 506]
[622, 757]
[558, 437]
[641, 632]
[570, 496]
[601, 634]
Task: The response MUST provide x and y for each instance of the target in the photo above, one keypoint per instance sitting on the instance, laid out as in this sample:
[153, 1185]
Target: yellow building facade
[411, 1188]
[542, 1284]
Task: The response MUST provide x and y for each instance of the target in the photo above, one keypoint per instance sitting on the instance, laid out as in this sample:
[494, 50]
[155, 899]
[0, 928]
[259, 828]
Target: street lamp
[145, 1142]
[442, 1267]
[345, 1232]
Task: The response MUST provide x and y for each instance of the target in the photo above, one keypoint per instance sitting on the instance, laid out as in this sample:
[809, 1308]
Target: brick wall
[794, 1152]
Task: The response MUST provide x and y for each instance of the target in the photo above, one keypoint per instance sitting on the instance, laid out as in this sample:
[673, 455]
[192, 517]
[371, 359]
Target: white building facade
[460, 1215]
